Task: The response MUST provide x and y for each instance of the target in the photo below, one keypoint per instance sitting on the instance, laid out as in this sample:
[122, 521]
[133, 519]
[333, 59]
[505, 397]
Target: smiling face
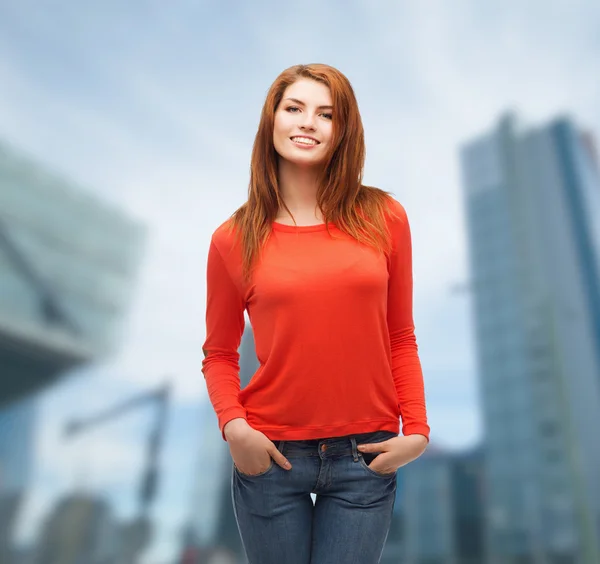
[302, 130]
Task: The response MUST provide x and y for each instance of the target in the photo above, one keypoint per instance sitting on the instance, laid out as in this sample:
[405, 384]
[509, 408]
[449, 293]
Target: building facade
[17, 433]
[81, 528]
[68, 267]
[17, 430]
[444, 502]
[533, 212]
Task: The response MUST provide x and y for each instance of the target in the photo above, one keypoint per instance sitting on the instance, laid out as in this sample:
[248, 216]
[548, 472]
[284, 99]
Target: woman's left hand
[395, 452]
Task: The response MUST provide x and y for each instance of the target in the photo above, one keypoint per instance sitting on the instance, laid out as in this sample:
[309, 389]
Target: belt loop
[280, 447]
[354, 449]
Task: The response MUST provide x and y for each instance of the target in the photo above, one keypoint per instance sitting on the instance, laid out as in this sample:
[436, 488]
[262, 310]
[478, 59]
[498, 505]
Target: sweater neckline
[301, 228]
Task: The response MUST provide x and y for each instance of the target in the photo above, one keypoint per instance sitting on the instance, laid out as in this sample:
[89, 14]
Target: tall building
[444, 504]
[469, 497]
[533, 211]
[17, 425]
[81, 528]
[68, 264]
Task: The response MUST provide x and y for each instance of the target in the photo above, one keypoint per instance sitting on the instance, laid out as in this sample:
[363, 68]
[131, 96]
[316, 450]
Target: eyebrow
[303, 104]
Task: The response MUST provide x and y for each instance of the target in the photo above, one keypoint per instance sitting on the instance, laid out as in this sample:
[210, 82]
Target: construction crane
[137, 533]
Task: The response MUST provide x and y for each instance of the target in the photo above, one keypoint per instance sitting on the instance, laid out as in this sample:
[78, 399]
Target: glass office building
[17, 425]
[443, 505]
[68, 265]
[533, 211]
[68, 262]
[17, 431]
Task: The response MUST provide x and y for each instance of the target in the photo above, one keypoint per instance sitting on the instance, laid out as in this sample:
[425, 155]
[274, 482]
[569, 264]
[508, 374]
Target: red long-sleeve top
[333, 330]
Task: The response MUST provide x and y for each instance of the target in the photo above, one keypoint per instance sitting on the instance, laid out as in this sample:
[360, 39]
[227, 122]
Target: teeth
[304, 140]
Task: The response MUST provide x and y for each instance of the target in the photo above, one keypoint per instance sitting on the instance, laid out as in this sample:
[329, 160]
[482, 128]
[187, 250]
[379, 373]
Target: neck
[298, 187]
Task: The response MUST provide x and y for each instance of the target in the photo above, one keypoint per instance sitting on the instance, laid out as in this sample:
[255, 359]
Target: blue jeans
[350, 520]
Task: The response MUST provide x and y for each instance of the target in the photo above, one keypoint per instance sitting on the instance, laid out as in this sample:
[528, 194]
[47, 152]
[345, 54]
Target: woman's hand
[395, 452]
[252, 450]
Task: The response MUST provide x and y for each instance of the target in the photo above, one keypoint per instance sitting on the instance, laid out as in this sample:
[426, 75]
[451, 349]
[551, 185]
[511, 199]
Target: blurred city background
[125, 138]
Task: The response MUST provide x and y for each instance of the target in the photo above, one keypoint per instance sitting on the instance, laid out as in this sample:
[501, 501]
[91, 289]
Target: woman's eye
[294, 109]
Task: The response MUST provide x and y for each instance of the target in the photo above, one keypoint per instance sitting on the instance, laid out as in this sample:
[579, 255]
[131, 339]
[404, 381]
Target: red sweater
[333, 329]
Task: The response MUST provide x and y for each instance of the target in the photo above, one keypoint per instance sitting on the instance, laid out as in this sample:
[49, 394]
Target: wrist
[234, 428]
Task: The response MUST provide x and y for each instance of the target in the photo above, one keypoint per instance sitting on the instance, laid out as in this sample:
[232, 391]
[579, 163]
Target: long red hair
[355, 209]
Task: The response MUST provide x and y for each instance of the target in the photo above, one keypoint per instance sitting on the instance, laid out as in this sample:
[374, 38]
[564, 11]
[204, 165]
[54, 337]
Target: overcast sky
[155, 105]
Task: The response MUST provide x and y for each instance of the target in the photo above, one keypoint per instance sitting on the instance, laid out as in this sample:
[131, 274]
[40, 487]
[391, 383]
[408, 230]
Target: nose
[307, 122]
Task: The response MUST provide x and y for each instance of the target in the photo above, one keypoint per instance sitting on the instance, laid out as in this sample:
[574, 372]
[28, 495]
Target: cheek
[279, 134]
[282, 120]
[279, 129]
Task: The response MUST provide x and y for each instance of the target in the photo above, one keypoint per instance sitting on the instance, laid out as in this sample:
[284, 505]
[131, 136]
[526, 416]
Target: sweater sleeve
[406, 365]
[224, 328]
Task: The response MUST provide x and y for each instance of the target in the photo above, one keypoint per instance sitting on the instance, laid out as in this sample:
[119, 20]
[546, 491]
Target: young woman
[323, 265]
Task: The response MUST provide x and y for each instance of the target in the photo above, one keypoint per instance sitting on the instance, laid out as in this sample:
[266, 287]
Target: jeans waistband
[332, 447]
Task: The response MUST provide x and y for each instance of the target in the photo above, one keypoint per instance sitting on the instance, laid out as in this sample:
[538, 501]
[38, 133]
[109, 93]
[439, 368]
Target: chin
[301, 162]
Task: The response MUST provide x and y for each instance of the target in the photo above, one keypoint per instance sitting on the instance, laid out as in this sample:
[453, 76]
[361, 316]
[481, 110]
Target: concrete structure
[68, 263]
[533, 210]
[17, 425]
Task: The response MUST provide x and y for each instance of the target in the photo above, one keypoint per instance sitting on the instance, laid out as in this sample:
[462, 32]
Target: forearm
[223, 390]
[408, 381]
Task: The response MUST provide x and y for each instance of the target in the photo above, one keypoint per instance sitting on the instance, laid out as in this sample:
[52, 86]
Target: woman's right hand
[250, 449]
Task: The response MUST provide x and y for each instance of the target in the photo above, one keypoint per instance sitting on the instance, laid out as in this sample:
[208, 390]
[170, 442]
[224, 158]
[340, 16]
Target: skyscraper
[533, 212]
[443, 507]
[68, 264]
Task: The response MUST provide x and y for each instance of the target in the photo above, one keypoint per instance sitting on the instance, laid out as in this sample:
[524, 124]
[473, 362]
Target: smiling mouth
[304, 141]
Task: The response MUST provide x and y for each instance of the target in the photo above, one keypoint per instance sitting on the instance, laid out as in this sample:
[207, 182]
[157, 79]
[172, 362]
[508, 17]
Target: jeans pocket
[240, 473]
[365, 458]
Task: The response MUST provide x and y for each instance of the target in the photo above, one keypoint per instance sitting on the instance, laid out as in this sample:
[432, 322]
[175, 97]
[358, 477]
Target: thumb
[279, 458]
